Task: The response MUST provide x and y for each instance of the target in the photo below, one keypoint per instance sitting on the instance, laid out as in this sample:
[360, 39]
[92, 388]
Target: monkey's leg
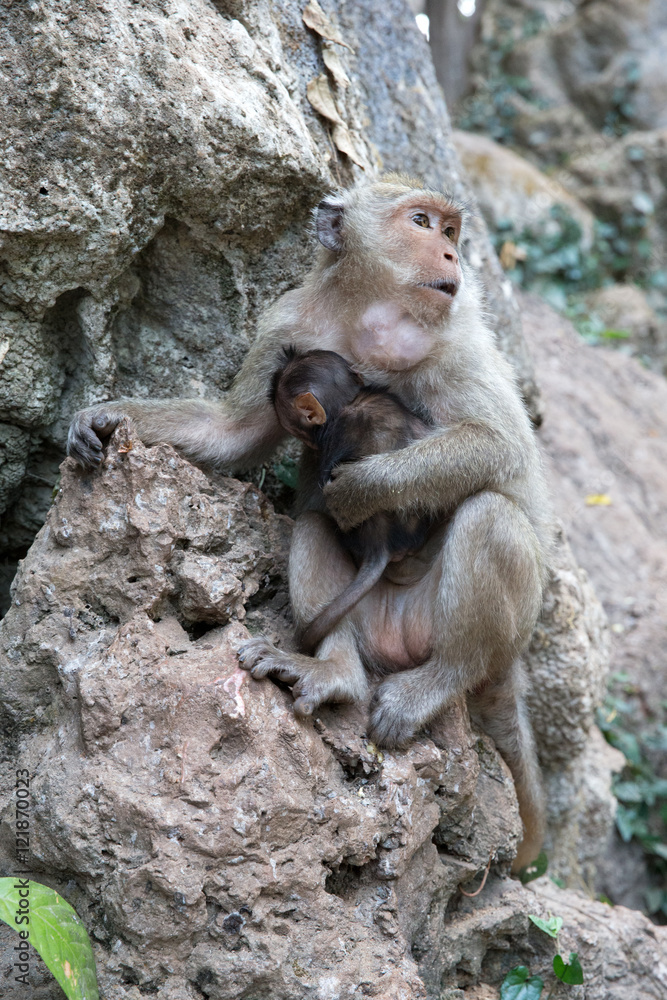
[319, 570]
[486, 593]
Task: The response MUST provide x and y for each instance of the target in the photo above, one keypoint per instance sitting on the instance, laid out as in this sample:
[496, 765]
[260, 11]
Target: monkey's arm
[433, 475]
[204, 431]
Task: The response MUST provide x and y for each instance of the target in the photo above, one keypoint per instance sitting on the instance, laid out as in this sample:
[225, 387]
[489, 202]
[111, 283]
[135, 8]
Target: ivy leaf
[628, 791]
[534, 869]
[344, 142]
[551, 926]
[333, 63]
[518, 986]
[569, 972]
[57, 933]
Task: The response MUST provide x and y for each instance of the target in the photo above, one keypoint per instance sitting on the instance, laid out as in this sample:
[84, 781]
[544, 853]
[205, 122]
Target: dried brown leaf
[344, 142]
[320, 96]
[315, 19]
[333, 63]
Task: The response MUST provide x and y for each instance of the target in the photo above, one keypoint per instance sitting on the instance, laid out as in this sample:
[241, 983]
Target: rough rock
[602, 57]
[621, 953]
[607, 436]
[627, 308]
[216, 844]
[174, 208]
[509, 188]
[568, 661]
[160, 161]
[195, 814]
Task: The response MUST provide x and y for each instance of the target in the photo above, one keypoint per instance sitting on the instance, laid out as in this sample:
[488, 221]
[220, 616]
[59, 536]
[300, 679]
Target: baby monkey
[321, 401]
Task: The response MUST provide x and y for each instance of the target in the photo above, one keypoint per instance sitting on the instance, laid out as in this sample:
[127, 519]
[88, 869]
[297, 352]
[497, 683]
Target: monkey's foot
[310, 679]
[390, 724]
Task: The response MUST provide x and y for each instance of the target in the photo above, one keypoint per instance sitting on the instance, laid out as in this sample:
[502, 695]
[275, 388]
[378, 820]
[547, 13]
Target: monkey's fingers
[104, 423]
[83, 445]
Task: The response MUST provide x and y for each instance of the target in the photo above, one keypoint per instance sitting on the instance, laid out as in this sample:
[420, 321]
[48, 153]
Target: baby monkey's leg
[318, 571]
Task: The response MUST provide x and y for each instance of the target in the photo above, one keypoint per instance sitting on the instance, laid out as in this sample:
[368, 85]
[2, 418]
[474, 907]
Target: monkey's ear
[309, 410]
[329, 222]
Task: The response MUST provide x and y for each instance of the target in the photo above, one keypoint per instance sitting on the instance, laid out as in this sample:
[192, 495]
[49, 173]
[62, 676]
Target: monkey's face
[310, 389]
[425, 247]
[393, 240]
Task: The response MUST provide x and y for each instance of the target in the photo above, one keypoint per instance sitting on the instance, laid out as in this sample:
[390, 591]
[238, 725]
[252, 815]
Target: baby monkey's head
[310, 389]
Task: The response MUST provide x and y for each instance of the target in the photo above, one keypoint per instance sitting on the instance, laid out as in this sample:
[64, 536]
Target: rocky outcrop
[160, 168]
[607, 438]
[511, 191]
[216, 844]
[160, 162]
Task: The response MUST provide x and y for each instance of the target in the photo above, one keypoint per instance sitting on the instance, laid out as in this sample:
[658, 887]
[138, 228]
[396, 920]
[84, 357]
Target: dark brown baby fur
[358, 422]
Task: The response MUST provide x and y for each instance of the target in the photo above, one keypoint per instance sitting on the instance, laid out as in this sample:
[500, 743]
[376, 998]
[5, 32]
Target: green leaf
[287, 471]
[569, 972]
[56, 932]
[534, 869]
[655, 899]
[518, 986]
[615, 334]
[626, 823]
[551, 926]
[628, 791]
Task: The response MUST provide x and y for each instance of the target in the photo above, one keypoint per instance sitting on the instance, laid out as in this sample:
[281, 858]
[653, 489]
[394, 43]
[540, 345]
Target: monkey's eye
[450, 233]
[421, 219]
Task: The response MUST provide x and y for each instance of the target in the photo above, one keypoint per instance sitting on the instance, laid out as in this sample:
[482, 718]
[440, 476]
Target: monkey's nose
[452, 257]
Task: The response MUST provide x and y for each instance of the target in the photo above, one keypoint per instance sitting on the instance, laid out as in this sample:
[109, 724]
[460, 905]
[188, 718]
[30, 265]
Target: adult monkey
[389, 294]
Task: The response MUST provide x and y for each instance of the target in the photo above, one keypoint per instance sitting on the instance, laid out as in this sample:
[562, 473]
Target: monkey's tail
[504, 717]
[367, 576]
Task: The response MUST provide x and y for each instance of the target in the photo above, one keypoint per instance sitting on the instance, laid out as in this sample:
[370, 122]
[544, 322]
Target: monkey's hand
[352, 493]
[84, 442]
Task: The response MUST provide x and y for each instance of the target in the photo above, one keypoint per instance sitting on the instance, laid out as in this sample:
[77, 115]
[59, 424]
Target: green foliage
[621, 111]
[640, 789]
[518, 984]
[569, 972]
[551, 926]
[57, 933]
[287, 471]
[556, 264]
[535, 868]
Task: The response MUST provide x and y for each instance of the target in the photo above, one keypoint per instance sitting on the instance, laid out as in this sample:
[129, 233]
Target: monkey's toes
[386, 727]
[262, 658]
[303, 707]
[104, 424]
[251, 653]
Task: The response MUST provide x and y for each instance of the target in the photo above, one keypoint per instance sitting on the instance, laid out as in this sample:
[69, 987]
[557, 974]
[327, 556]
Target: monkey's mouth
[448, 288]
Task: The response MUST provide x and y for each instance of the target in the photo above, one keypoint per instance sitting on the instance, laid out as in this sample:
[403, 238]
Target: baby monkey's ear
[309, 410]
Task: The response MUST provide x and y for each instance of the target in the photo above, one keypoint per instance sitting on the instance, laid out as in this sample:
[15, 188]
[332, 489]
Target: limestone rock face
[627, 308]
[207, 827]
[215, 843]
[510, 189]
[157, 178]
[160, 162]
